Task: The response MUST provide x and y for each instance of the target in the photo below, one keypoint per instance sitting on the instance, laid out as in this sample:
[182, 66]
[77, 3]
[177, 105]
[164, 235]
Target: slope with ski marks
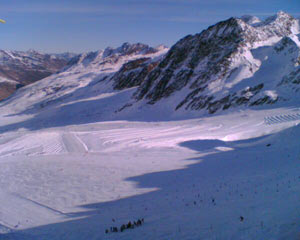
[166, 172]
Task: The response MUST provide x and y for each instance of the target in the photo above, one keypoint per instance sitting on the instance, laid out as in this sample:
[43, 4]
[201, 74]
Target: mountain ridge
[234, 64]
[211, 57]
[20, 68]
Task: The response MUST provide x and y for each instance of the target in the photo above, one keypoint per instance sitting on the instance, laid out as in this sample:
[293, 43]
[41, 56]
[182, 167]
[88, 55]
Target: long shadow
[205, 200]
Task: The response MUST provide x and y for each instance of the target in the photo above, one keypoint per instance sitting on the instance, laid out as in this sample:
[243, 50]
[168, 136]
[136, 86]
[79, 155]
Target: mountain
[19, 68]
[235, 64]
[87, 76]
[240, 61]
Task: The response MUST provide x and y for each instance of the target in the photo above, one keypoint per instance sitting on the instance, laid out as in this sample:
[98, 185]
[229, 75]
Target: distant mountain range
[19, 68]
[236, 63]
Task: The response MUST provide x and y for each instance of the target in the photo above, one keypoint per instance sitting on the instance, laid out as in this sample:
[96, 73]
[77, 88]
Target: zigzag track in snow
[282, 118]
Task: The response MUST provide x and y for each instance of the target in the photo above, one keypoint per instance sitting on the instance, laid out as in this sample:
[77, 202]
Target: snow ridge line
[281, 118]
[5, 227]
[41, 205]
[80, 140]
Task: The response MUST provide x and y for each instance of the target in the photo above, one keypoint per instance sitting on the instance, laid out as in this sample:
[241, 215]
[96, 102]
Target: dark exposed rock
[133, 73]
[197, 61]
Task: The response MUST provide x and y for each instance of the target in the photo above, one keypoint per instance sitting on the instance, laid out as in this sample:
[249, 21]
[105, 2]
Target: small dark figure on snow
[129, 225]
[123, 227]
[241, 218]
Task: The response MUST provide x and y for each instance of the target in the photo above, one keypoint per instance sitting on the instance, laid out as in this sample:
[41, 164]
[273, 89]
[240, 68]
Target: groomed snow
[189, 179]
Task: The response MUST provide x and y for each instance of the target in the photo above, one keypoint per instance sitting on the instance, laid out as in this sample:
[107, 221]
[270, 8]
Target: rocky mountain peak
[129, 49]
[223, 29]
[251, 20]
[280, 24]
[279, 17]
[32, 51]
[210, 63]
[113, 58]
[161, 47]
[251, 30]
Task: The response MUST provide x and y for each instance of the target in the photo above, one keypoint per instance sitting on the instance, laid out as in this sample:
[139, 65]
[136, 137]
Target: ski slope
[282, 118]
[189, 179]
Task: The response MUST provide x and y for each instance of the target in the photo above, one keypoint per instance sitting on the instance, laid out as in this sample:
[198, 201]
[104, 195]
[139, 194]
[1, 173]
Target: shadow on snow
[258, 179]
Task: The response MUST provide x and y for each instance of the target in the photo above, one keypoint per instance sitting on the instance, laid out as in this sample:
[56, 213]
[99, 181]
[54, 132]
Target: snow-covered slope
[221, 177]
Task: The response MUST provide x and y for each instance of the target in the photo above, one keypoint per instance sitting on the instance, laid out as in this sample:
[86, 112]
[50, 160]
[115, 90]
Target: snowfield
[189, 179]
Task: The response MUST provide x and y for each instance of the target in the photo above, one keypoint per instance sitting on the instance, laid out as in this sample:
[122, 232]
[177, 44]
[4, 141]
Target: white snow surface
[189, 179]
[72, 166]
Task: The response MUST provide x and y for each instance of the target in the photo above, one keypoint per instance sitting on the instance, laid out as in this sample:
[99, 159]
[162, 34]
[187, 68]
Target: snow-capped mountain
[240, 61]
[86, 76]
[110, 59]
[18, 68]
[236, 63]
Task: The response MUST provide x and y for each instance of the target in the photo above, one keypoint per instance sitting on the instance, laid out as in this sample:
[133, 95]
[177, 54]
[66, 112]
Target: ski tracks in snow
[276, 119]
[73, 143]
[44, 143]
[32, 143]
[17, 212]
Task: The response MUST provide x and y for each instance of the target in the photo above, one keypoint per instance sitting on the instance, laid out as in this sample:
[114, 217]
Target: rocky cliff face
[222, 66]
[133, 73]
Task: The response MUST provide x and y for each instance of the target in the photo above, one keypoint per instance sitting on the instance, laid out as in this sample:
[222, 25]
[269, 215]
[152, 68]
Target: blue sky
[77, 26]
